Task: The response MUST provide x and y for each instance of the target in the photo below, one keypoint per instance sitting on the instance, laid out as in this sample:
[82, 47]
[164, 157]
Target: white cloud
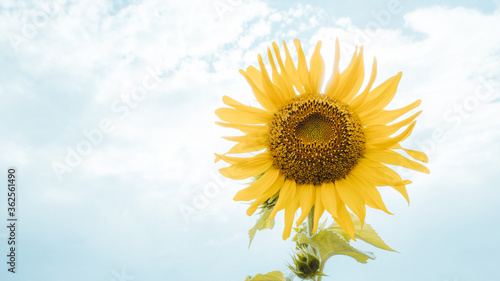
[89, 55]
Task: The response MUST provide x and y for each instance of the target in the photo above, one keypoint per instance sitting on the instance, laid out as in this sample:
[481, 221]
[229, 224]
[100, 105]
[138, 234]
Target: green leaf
[271, 276]
[322, 225]
[300, 229]
[262, 223]
[367, 234]
[330, 243]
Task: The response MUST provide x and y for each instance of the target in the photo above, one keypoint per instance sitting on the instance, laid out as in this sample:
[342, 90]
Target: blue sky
[107, 110]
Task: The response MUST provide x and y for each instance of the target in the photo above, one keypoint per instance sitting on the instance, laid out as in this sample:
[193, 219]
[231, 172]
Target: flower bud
[306, 262]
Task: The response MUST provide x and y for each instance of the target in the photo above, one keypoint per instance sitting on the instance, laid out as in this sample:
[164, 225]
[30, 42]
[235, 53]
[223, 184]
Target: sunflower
[318, 150]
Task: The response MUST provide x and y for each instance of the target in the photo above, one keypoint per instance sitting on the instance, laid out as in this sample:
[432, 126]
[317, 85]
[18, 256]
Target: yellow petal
[390, 142]
[271, 191]
[245, 147]
[237, 105]
[344, 218]
[338, 92]
[287, 193]
[349, 195]
[270, 89]
[417, 155]
[387, 116]
[248, 167]
[290, 211]
[302, 68]
[333, 83]
[361, 98]
[227, 159]
[250, 138]
[306, 194]
[289, 93]
[328, 198]
[387, 172]
[276, 50]
[232, 115]
[317, 72]
[255, 76]
[402, 189]
[352, 79]
[292, 71]
[377, 173]
[318, 208]
[283, 86]
[259, 186]
[368, 192]
[247, 129]
[258, 92]
[393, 158]
[276, 78]
[383, 94]
[381, 131]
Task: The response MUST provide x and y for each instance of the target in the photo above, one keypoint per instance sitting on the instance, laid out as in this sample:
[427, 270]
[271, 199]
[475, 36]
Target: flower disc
[315, 139]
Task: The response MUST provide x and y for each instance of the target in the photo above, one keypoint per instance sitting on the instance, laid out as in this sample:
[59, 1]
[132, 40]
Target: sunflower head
[311, 147]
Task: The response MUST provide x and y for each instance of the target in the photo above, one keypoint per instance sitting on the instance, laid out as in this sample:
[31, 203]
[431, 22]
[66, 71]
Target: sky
[107, 113]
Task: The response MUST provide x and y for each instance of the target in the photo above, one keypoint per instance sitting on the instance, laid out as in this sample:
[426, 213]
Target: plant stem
[310, 222]
[321, 267]
[310, 226]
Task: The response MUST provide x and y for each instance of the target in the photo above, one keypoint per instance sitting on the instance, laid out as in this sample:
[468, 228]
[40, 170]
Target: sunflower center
[315, 139]
[316, 128]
